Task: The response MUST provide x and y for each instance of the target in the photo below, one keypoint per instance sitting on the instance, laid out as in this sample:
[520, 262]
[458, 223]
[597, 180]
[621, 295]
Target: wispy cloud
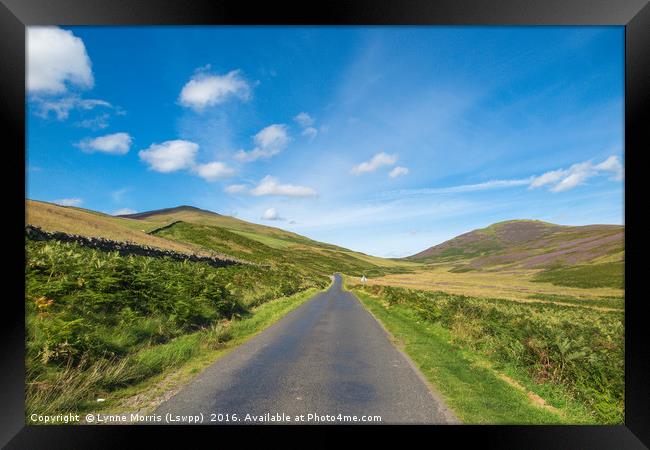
[310, 132]
[557, 180]
[235, 188]
[271, 186]
[304, 120]
[377, 161]
[69, 201]
[269, 142]
[565, 179]
[118, 195]
[61, 107]
[96, 123]
[116, 144]
[204, 89]
[492, 184]
[123, 211]
[398, 172]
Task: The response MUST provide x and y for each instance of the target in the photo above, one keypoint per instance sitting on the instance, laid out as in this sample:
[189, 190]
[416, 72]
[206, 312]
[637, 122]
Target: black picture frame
[633, 14]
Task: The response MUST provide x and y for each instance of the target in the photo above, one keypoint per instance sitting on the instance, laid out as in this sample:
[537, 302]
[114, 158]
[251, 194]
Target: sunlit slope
[84, 222]
[240, 238]
[192, 230]
[272, 236]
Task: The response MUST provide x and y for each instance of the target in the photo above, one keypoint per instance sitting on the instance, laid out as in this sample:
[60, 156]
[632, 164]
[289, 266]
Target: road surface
[329, 357]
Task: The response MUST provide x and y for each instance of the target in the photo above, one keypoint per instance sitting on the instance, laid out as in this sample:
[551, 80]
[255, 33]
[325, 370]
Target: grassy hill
[192, 230]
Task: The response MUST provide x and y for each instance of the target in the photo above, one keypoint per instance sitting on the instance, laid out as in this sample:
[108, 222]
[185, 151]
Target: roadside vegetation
[566, 363]
[98, 321]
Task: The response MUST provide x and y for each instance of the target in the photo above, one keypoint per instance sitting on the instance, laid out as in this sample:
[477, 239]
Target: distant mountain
[157, 212]
[529, 244]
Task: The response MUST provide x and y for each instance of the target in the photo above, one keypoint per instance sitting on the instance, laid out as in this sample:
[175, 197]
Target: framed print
[358, 213]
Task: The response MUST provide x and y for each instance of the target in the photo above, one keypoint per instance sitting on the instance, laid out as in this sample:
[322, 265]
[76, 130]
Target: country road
[327, 357]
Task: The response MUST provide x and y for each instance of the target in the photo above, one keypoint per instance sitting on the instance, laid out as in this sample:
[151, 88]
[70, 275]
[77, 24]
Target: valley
[508, 297]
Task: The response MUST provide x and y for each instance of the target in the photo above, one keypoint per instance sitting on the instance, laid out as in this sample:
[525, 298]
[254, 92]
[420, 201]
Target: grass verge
[477, 390]
[144, 380]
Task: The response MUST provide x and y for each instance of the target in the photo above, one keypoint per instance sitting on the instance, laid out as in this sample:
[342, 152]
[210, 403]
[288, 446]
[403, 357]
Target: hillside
[192, 230]
[529, 244]
[84, 222]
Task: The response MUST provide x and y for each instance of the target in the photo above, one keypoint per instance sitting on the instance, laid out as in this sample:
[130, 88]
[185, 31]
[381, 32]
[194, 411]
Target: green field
[611, 274]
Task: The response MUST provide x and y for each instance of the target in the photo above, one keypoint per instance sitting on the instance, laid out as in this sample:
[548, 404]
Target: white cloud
[398, 171]
[235, 188]
[559, 180]
[270, 186]
[310, 132]
[551, 177]
[566, 179]
[570, 181]
[613, 165]
[205, 90]
[271, 214]
[269, 142]
[304, 120]
[273, 136]
[380, 159]
[213, 171]
[69, 201]
[116, 144]
[61, 107]
[170, 156]
[123, 211]
[56, 60]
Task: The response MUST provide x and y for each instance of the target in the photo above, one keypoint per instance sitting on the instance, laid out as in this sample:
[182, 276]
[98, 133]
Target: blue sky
[385, 140]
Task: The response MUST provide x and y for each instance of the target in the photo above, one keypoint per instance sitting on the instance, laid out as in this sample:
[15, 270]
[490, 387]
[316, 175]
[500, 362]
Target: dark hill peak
[176, 209]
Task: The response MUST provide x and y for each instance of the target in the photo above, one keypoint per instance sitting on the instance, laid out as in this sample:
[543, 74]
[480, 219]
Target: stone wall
[124, 248]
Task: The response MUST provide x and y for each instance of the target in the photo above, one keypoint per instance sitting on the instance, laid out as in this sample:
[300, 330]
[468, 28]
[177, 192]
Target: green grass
[572, 357]
[76, 388]
[311, 260]
[474, 393]
[270, 241]
[610, 274]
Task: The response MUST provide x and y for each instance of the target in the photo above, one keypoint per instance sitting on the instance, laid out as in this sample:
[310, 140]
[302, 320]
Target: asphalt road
[327, 357]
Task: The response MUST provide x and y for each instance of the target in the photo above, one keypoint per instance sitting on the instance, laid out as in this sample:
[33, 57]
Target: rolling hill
[529, 244]
[193, 230]
[515, 244]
